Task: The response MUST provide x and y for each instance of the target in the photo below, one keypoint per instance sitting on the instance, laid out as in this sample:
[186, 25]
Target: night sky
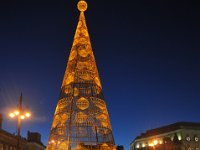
[147, 53]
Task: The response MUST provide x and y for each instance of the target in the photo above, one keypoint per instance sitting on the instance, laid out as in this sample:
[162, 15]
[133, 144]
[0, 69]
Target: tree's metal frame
[81, 120]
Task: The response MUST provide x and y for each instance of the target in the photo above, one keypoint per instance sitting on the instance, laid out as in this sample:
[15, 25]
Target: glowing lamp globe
[82, 6]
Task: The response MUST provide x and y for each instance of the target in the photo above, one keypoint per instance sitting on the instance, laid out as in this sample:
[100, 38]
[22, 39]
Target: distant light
[12, 115]
[22, 117]
[27, 115]
[151, 144]
[179, 137]
[161, 142]
[52, 141]
[138, 146]
[16, 112]
[155, 142]
[143, 145]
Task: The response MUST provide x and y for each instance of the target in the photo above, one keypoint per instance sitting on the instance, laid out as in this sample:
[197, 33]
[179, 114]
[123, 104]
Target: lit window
[155, 142]
[179, 137]
[161, 142]
[138, 146]
[143, 145]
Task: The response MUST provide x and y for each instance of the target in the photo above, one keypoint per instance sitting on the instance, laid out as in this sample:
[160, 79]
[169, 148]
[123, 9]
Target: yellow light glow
[16, 112]
[88, 105]
[155, 142]
[22, 117]
[143, 145]
[52, 141]
[27, 114]
[82, 6]
[12, 115]
[151, 144]
[179, 137]
[138, 146]
[160, 142]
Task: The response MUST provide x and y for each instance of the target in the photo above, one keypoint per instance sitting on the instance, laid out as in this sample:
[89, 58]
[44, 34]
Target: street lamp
[21, 115]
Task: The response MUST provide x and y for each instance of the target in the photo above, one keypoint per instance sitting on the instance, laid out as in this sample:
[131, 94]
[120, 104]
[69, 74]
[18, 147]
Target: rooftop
[169, 128]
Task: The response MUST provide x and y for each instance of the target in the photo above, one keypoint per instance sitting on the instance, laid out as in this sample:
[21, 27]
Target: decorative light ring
[68, 89]
[63, 146]
[99, 103]
[64, 118]
[63, 103]
[55, 121]
[83, 41]
[105, 147]
[104, 123]
[72, 55]
[83, 52]
[85, 75]
[80, 24]
[77, 34]
[74, 43]
[84, 65]
[97, 81]
[102, 117]
[84, 32]
[82, 103]
[70, 78]
[76, 92]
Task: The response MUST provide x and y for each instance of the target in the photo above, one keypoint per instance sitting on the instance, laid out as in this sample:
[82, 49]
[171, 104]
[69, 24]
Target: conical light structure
[81, 120]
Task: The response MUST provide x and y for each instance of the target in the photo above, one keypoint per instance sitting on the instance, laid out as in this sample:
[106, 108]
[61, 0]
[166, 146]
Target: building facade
[8, 141]
[177, 136]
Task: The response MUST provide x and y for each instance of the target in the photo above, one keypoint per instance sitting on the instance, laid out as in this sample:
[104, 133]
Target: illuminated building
[8, 141]
[81, 120]
[177, 136]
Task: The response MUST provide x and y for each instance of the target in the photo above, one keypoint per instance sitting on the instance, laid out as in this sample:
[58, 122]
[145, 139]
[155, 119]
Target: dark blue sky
[147, 53]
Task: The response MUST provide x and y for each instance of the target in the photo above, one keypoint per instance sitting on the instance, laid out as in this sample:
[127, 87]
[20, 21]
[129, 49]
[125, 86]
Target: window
[1, 146]
[138, 146]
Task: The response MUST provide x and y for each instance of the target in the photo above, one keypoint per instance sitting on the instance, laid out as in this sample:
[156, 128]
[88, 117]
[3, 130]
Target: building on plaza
[8, 141]
[177, 136]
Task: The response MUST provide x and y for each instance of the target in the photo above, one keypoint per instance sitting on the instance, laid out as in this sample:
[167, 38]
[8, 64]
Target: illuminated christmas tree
[81, 120]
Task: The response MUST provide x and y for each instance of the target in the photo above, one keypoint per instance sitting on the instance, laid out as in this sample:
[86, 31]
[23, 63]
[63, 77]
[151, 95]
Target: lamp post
[21, 115]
